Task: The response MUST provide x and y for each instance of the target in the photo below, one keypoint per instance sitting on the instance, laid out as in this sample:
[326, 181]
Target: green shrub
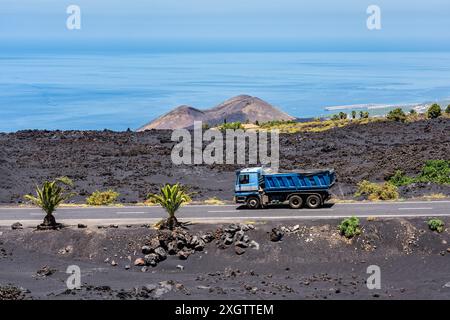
[99, 198]
[353, 114]
[276, 123]
[400, 179]
[349, 227]
[396, 115]
[436, 225]
[434, 111]
[412, 112]
[376, 191]
[448, 109]
[435, 171]
[342, 115]
[335, 117]
[231, 125]
[364, 114]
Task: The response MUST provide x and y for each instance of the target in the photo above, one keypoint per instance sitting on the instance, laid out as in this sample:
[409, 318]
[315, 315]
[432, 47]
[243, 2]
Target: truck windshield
[244, 179]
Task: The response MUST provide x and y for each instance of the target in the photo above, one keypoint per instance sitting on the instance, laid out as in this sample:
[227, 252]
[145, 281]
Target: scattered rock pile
[45, 271]
[182, 244]
[12, 293]
[178, 242]
[156, 291]
[145, 292]
[235, 234]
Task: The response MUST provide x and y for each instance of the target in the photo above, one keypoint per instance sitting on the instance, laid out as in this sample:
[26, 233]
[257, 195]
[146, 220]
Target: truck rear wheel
[313, 201]
[253, 203]
[295, 202]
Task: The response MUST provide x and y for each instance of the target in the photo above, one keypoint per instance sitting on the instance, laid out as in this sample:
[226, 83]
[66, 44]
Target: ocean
[119, 91]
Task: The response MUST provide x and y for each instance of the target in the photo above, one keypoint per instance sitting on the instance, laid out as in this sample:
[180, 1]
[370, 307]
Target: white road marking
[228, 211]
[319, 217]
[131, 212]
[415, 208]
[229, 205]
[391, 202]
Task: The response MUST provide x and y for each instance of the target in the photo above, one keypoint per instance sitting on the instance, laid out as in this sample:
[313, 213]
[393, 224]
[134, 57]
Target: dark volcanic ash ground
[135, 164]
[311, 261]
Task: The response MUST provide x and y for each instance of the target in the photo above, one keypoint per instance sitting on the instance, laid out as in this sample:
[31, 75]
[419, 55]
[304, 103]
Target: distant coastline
[383, 109]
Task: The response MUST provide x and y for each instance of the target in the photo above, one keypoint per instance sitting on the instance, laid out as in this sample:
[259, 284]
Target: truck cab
[247, 186]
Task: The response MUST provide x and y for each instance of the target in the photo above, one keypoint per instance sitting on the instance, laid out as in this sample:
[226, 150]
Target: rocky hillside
[241, 108]
[137, 163]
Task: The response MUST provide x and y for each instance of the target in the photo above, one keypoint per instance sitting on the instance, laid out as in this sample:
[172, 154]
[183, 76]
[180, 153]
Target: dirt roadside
[312, 261]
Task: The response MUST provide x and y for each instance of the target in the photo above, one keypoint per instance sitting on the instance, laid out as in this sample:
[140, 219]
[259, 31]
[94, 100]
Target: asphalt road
[226, 213]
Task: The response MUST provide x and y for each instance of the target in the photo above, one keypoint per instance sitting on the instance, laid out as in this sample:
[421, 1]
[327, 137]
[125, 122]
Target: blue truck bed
[298, 181]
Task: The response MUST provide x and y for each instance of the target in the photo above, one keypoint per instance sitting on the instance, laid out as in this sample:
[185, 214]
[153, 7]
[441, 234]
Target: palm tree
[49, 197]
[171, 198]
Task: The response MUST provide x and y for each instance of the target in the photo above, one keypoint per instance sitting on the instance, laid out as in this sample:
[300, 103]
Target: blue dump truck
[258, 187]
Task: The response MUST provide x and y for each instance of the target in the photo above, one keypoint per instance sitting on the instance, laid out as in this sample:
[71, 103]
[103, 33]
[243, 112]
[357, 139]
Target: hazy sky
[227, 24]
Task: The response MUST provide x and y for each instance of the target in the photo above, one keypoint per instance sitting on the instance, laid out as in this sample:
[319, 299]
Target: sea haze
[120, 91]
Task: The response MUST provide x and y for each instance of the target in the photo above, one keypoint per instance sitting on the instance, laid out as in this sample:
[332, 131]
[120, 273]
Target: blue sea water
[120, 91]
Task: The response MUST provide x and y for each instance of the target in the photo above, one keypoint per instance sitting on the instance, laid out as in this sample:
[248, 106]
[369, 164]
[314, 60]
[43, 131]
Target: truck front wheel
[253, 203]
[313, 201]
[295, 202]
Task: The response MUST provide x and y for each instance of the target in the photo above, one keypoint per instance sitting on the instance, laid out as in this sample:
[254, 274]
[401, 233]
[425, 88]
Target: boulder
[200, 245]
[147, 250]
[183, 254]
[161, 253]
[193, 241]
[181, 243]
[239, 235]
[239, 250]
[154, 243]
[208, 237]
[228, 240]
[241, 244]
[151, 259]
[253, 244]
[244, 227]
[17, 226]
[276, 235]
[232, 228]
[139, 262]
[172, 248]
